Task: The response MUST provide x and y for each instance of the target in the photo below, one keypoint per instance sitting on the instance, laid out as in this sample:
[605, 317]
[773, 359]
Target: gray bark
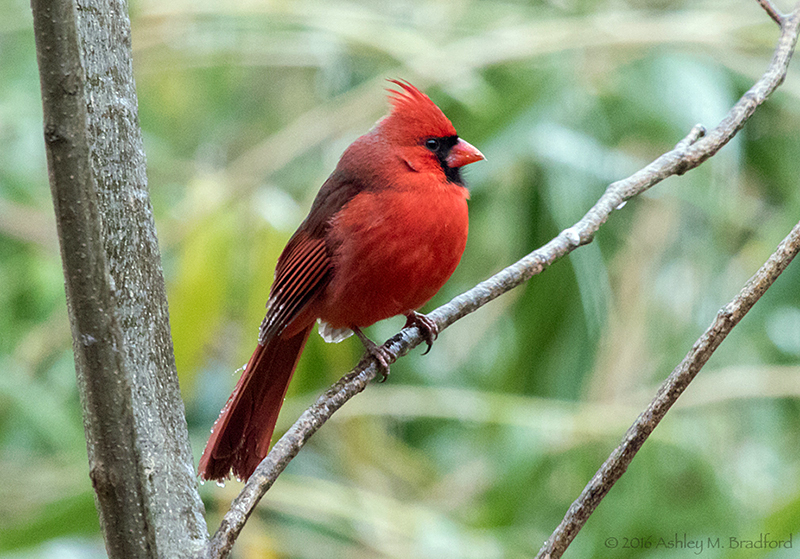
[139, 455]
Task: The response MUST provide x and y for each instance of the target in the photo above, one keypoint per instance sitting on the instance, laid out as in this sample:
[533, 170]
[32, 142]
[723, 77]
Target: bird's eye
[432, 144]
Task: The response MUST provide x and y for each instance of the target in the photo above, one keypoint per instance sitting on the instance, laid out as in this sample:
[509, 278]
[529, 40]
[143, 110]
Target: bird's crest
[413, 110]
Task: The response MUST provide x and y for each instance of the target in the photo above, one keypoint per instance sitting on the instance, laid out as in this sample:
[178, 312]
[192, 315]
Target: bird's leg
[377, 352]
[427, 327]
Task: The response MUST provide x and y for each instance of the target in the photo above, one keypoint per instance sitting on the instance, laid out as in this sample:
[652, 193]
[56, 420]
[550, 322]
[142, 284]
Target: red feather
[385, 232]
[242, 434]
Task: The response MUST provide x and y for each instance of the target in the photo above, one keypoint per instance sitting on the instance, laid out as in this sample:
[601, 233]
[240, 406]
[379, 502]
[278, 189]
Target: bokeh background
[477, 449]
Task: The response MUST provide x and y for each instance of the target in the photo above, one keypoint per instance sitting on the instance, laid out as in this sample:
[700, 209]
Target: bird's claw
[427, 327]
[379, 353]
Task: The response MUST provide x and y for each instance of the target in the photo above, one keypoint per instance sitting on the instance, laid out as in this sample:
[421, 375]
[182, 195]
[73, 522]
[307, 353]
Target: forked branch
[690, 152]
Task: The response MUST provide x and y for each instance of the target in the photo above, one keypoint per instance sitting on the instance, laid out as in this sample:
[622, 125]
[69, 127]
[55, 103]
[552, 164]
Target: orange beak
[463, 153]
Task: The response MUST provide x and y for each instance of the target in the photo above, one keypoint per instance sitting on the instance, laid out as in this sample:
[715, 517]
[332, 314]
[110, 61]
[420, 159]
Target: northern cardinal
[385, 232]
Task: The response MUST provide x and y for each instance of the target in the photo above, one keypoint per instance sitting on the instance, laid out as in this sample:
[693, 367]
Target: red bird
[385, 232]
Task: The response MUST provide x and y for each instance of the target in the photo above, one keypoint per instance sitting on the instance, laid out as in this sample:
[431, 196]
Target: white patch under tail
[333, 335]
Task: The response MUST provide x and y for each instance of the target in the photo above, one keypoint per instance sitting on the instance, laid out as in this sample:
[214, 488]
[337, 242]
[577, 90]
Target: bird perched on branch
[385, 232]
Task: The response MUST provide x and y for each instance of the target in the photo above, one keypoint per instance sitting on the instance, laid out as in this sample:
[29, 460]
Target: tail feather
[242, 434]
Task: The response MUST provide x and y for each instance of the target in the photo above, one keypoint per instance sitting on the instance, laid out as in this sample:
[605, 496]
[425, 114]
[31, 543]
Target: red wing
[303, 271]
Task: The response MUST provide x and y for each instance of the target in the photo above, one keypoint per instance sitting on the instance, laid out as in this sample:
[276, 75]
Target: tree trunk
[139, 455]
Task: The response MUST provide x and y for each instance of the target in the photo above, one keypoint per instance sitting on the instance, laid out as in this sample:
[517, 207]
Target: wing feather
[305, 266]
[302, 272]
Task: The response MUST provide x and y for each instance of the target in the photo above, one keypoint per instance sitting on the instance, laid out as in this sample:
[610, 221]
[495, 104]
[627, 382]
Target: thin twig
[773, 12]
[690, 152]
[617, 463]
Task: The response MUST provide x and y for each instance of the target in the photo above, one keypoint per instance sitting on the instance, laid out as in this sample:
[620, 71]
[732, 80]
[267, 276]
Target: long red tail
[241, 435]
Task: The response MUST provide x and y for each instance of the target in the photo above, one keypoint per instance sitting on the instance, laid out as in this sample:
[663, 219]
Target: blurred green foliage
[477, 449]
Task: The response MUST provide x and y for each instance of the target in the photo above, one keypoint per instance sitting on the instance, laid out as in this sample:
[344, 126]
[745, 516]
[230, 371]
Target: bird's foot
[427, 327]
[379, 353]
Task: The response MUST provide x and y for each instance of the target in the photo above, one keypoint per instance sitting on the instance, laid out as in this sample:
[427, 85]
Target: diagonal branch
[689, 153]
[617, 463]
[772, 11]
